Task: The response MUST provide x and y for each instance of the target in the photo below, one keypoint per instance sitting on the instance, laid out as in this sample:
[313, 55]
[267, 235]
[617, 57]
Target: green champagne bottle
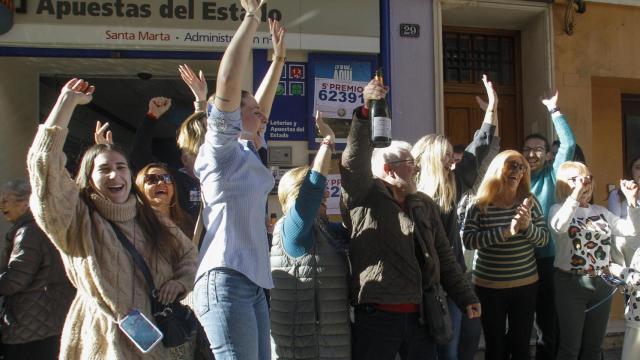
[380, 119]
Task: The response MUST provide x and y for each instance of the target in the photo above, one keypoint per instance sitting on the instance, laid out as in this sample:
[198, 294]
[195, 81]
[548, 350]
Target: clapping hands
[522, 220]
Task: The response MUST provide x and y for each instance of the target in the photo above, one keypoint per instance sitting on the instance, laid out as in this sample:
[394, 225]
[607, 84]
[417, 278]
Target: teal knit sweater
[543, 182]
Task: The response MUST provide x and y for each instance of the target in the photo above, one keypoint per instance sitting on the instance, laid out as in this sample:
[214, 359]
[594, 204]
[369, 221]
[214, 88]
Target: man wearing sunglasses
[537, 151]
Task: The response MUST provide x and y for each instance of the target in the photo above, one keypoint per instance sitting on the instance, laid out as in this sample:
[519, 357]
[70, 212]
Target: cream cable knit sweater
[96, 263]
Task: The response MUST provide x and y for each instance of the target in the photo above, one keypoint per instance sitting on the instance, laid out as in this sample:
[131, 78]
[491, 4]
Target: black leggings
[515, 306]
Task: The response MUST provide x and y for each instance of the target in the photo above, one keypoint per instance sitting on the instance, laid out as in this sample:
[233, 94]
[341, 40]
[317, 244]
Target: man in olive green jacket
[386, 217]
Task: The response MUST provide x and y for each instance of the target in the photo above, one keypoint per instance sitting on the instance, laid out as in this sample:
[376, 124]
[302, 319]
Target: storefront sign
[190, 24]
[337, 90]
[286, 121]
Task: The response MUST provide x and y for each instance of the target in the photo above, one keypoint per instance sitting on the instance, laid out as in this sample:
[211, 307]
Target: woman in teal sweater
[310, 298]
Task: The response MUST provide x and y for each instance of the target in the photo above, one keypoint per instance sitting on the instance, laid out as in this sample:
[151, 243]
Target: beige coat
[96, 263]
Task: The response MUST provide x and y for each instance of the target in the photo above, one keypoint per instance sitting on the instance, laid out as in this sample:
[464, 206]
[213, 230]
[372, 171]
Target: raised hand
[373, 91]
[324, 129]
[481, 103]
[78, 91]
[196, 83]
[630, 190]
[251, 6]
[552, 102]
[102, 136]
[158, 106]
[277, 37]
[491, 94]
[581, 188]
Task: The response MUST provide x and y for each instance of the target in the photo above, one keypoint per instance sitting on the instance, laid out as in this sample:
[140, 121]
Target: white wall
[18, 120]
[412, 71]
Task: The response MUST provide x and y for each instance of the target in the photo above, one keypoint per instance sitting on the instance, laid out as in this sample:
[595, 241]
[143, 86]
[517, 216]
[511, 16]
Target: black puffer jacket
[37, 294]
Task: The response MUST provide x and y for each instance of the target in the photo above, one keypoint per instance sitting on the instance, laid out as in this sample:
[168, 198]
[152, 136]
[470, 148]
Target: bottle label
[381, 126]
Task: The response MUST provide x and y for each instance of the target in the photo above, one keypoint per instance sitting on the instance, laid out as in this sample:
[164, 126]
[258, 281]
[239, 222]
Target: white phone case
[142, 332]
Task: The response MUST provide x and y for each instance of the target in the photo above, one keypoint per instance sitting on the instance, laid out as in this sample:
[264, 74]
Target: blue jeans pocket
[201, 295]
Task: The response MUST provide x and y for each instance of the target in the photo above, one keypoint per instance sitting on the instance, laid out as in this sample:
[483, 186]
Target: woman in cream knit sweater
[77, 217]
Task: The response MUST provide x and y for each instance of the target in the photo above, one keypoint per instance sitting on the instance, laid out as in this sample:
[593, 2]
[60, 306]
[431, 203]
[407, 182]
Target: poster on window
[332, 191]
[337, 90]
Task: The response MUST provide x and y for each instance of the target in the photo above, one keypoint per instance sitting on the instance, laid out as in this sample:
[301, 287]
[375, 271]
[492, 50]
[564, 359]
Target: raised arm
[197, 84]
[298, 222]
[565, 135]
[267, 90]
[467, 169]
[355, 165]
[234, 62]
[141, 153]
[55, 196]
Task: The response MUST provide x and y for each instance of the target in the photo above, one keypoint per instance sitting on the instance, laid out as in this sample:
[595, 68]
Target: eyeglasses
[589, 178]
[539, 150]
[517, 166]
[151, 179]
[405, 161]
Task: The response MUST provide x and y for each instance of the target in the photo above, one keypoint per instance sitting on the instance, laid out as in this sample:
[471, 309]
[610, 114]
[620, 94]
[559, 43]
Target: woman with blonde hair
[445, 181]
[583, 233]
[308, 265]
[234, 257]
[505, 224]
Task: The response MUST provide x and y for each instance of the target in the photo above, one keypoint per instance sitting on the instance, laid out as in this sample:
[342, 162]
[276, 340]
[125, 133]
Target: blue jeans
[450, 350]
[234, 314]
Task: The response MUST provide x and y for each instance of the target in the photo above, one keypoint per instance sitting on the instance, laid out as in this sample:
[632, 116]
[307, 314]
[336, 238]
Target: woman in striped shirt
[504, 225]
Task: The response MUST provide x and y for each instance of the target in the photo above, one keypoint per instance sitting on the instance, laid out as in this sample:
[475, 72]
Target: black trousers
[45, 349]
[546, 318]
[515, 306]
[380, 335]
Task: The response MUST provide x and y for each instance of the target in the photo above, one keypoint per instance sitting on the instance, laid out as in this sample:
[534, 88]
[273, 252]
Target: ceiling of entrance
[488, 15]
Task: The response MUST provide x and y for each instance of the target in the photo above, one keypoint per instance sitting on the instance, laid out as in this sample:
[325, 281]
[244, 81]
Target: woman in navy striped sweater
[505, 224]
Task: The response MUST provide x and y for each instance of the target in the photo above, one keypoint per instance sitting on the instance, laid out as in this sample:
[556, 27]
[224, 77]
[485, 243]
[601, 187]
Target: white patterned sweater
[631, 276]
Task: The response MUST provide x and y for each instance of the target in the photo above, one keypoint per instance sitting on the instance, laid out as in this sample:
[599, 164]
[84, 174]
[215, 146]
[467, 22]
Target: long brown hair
[493, 182]
[156, 233]
[178, 216]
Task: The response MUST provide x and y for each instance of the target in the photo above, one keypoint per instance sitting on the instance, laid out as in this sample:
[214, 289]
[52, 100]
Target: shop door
[469, 53]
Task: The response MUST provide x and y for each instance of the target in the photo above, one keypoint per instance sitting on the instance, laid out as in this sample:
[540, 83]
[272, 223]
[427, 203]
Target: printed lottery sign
[333, 190]
[338, 98]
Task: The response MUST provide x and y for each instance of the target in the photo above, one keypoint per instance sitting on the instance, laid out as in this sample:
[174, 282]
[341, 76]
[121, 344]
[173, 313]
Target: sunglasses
[517, 166]
[151, 179]
[574, 178]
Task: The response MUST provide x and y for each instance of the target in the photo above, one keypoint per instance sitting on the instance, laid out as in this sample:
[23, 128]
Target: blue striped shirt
[235, 185]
